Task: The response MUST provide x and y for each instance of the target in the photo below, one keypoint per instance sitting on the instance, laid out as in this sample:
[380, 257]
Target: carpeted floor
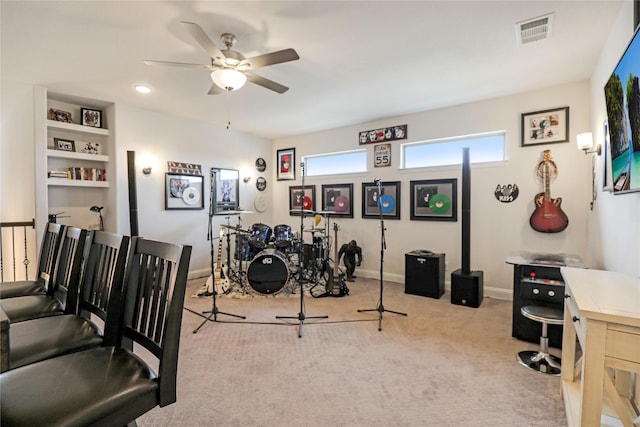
[442, 365]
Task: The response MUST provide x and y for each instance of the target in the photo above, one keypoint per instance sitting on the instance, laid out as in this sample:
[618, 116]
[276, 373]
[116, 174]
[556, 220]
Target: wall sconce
[146, 170]
[585, 141]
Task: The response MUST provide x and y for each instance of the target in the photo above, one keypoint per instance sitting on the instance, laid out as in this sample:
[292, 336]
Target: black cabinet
[424, 273]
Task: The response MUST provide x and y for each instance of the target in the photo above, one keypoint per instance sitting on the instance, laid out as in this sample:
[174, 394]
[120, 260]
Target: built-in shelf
[62, 182]
[77, 156]
[52, 124]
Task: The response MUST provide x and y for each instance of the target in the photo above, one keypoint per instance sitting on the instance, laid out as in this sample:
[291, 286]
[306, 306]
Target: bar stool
[541, 360]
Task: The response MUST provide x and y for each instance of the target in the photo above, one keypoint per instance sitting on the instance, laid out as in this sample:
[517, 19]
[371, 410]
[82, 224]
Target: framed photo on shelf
[183, 191]
[385, 198]
[90, 117]
[304, 198]
[226, 184]
[434, 200]
[545, 127]
[286, 161]
[337, 199]
[64, 144]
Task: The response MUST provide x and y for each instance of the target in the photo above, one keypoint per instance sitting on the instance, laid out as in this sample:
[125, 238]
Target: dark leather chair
[111, 386]
[66, 280]
[46, 265]
[100, 295]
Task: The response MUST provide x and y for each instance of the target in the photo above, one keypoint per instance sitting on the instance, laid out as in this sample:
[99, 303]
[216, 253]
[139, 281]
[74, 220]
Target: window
[336, 163]
[485, 147]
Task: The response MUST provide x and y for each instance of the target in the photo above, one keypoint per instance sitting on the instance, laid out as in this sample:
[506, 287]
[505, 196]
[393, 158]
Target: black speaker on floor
[467, 289]
[424, 273]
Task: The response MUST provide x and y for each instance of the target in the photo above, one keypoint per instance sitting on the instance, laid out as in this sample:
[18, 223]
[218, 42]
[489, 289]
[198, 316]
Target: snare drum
[260, 235]
[283, 237]
[268, 272]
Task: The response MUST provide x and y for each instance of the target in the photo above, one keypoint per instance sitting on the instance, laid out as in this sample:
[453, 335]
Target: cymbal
[236, 212]
[236, 228]
[305, 212]
[315, 230]
[326, 212]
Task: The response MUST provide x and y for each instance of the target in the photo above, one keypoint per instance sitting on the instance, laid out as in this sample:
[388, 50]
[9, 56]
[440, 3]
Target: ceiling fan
[229, 68]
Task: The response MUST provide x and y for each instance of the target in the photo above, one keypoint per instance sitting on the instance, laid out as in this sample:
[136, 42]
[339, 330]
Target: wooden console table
[604, 309]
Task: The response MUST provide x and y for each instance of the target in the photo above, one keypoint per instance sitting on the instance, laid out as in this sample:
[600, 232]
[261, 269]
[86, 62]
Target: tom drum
[260, 235]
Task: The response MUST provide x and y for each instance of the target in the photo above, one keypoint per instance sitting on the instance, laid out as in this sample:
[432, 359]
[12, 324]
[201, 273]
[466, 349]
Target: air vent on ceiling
[533, 30]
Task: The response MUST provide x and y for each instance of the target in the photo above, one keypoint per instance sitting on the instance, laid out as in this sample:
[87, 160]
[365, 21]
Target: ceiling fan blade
[201, 37]
[272, 58]
[178, 64]
[266, 83]
[215, 90]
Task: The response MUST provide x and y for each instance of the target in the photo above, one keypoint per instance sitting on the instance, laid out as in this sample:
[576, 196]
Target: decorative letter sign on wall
[382, 155]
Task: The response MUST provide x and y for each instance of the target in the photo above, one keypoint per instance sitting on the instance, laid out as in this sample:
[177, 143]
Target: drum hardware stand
[213, 314]
[301, 316]
[383, 245]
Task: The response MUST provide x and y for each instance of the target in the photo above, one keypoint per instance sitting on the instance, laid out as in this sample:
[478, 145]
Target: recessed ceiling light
[143, 88]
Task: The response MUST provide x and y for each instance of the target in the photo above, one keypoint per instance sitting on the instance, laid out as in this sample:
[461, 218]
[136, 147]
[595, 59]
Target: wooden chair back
[69, 267]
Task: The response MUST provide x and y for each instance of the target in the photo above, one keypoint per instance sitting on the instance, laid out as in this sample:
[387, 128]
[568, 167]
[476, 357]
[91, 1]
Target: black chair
[111, 386]
[46, 265]
[100, 296]
[66, 281]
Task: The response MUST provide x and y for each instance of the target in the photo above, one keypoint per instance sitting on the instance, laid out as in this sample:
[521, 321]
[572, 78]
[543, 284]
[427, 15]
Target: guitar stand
[383, 245]
[213, 314]
[301, 317]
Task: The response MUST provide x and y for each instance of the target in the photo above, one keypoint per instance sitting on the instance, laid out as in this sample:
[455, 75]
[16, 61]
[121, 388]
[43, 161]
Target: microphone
[376, 181]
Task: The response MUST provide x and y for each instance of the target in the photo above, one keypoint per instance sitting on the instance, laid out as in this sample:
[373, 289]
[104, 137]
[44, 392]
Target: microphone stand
[213, 314]
[383, 245]
[301, 316]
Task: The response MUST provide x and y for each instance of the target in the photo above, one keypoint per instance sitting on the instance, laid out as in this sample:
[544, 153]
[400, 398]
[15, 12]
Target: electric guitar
[336, 286]
[548, 216]
[218, 277]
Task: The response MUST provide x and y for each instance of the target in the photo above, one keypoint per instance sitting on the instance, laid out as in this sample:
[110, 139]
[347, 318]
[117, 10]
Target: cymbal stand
[213, 314]
[301, 316]
[383, 245]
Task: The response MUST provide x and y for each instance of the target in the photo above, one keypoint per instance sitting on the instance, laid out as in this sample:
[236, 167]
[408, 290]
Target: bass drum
[268, 272]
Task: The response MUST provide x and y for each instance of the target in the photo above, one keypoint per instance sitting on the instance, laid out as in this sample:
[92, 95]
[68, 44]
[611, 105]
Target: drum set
[266, 260]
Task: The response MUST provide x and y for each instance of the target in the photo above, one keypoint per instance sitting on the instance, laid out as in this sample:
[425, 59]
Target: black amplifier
[424, 273]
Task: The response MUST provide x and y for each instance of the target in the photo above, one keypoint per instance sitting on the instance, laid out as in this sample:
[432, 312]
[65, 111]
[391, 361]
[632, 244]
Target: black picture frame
[296, 192]
[62, 144]
[370, 196]
[337, 199]
[91, 117]
[286, 161]
[183, 192]
[434, 199]
[545, 127]
[226, 190]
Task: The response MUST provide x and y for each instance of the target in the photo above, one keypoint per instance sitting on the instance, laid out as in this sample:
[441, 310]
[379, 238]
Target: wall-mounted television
[622, 97]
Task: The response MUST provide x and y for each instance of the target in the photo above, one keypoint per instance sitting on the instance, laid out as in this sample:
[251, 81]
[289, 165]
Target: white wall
[615, 223]
[497, 229]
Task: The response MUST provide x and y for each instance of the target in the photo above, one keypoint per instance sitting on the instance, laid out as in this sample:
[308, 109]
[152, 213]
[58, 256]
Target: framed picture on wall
[286, 161]
[183, 191]
[302, 199]
[337, 199]
[545, 127]
[386, 197]
[226, 186]
[434, 200]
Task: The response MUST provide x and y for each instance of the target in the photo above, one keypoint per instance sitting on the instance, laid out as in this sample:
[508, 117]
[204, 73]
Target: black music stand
[301, 316]
[213, 314]
[383, 245]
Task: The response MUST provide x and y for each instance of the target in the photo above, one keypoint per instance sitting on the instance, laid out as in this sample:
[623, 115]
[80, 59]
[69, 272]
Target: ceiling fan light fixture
[228, 79]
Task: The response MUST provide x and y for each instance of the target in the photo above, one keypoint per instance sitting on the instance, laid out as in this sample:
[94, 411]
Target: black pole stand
[213, 314]
[301, 316]
[383, 245]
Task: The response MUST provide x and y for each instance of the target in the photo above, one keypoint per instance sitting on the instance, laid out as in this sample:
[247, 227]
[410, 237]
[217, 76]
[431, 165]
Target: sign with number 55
[382, 155]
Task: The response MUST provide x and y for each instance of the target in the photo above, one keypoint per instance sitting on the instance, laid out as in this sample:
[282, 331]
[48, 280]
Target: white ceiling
[359, 60]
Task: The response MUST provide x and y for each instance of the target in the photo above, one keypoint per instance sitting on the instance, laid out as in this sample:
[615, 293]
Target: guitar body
[221, 284]
[548, 217]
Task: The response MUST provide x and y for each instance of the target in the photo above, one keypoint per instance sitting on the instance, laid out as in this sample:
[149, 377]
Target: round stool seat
[549, 315]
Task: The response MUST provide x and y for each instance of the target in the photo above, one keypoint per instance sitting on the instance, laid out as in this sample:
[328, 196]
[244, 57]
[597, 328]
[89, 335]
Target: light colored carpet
[442, 365]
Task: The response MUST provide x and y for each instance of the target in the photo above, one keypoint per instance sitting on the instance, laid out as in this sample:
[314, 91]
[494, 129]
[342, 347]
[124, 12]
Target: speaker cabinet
[424, 273]
[467, 289]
